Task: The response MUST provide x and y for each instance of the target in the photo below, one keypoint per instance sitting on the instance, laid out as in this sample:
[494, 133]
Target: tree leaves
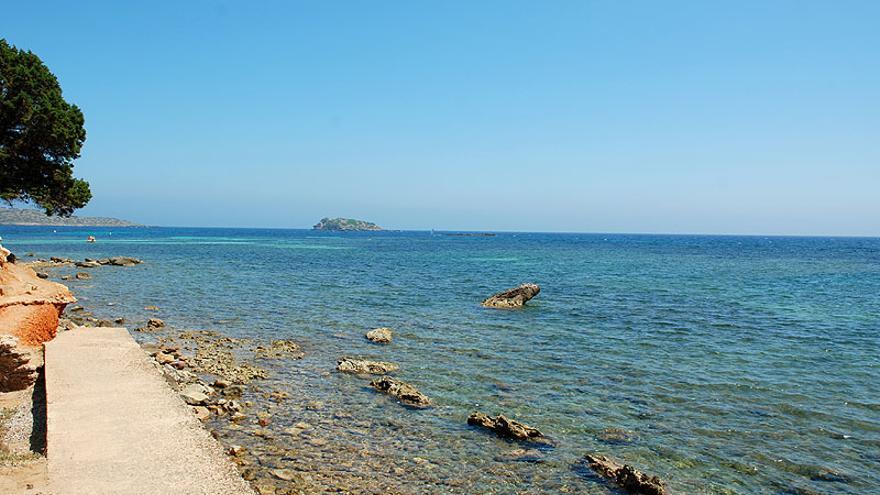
[40, 136]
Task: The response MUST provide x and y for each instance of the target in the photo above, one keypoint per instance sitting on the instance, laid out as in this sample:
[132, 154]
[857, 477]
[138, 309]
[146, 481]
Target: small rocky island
[347, 224]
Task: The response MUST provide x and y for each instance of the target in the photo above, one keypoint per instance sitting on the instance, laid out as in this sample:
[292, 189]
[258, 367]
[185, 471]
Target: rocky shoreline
[284, 444]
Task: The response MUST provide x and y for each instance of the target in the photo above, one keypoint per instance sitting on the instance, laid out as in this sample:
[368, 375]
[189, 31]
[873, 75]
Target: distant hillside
[25, 216]
[345, 224]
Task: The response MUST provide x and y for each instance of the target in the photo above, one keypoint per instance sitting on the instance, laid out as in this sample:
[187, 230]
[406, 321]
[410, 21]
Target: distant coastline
[26, 216]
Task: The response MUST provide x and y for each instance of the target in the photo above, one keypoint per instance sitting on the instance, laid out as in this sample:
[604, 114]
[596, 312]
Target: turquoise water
[734, 364]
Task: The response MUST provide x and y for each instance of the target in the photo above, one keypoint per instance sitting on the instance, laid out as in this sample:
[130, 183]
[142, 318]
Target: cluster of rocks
[220, 398]
[186, 357]
[90, 262]
[214, 355]
[623, 475]
[405, 393]
[56, 261]
[78, 316]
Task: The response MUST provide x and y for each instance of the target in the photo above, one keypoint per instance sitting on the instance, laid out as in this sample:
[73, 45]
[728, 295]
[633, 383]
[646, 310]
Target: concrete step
[115, 427]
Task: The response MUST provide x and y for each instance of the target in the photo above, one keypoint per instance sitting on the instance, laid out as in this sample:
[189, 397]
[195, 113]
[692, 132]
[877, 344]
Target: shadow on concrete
[38, 411]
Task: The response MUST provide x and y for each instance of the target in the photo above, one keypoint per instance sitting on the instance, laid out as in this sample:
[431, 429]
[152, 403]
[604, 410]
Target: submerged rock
[364, 367]
[380, 335]
[508, 428]
[626, 476]
[213, 356]
[617, 436]
[284, 474]
[534, 456]
[280, 349]
[406, 393]
[512, 298]
[155, 323]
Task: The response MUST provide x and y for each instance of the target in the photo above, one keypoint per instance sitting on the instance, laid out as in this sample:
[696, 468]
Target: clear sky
[594, 116]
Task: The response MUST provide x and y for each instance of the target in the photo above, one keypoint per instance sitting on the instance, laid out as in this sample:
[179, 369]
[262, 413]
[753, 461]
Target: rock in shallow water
[406, 393]
[364, 367]
[202, 413]
[278, 349]
[120, 261]
[626, 476]
[617, 436]
[512, 298]
[194, 394]
[508, 428]
[521, 455]
[380, 335]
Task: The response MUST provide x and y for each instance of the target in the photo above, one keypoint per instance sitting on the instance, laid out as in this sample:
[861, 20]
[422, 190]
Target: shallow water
[735, 364]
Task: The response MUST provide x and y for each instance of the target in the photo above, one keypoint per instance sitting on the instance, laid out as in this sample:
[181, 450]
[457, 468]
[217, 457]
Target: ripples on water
[732, 364]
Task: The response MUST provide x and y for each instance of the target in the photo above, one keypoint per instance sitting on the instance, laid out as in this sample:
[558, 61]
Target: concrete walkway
[115, 427]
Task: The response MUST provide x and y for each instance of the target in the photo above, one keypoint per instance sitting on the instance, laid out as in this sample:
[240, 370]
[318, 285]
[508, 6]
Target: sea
[721, 364]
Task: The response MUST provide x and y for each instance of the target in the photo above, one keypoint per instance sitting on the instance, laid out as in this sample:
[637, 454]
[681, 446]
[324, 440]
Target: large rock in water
[29, 311]
[406, 393]
[508, 428]
[364, 367]
[512, 298]
[626, 476]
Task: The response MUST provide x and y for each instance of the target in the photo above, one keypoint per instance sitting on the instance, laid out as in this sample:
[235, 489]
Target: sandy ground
[23, 467]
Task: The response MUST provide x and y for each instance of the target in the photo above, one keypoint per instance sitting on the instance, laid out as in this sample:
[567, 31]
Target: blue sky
[680, 117]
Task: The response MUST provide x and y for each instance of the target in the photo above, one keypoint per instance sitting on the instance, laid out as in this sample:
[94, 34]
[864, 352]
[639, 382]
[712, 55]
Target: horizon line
[476, 231]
